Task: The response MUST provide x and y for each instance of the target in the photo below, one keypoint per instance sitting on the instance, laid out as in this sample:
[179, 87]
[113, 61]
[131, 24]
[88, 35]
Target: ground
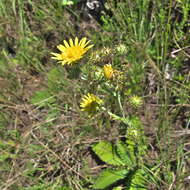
[45, 139]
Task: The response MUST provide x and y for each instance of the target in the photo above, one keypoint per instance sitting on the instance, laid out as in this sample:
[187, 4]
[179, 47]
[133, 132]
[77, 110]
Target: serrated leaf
[137, 181]
[106, 152]
[108, 177]
[125, 153]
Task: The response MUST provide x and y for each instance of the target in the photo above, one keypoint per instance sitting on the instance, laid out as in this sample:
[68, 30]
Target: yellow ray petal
[57, 56]
[84, 45]
[64, 62]
[83, 41]
[87, 48]
[61, 48]
[66, 44]
[76, 41]
[71, 42]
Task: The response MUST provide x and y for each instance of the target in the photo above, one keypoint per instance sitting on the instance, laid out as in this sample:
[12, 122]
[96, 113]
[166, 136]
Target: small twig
[98, 167]
[12, 180]
[170, 105]
[180, 49]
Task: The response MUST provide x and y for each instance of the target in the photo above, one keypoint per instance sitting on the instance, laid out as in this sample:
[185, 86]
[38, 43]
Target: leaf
[4, 156]
[69, 2]
[42, 98]
[108, 177]
[117, 188]
[122, 119]
[54, 75]
[137, 181]
[106, 153]
[57, 80]
[126, 153]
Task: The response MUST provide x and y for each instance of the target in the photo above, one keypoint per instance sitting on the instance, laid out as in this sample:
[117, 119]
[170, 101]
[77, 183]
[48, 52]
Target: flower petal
[85, 44]
[57, 56]
[66, 44]
[83, 41]
[61, 48]
[71, 42]
[76, 41]
[87, 48]
[64, 62]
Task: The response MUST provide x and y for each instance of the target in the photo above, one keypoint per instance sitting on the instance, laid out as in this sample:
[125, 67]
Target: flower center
[74, 52]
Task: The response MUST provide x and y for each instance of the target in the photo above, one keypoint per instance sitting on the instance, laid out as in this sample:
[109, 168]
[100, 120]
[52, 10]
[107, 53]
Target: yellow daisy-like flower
[90, 103]
[108, 71]
[72, 51]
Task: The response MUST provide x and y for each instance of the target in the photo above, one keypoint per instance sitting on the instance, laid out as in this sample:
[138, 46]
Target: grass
[46, 141]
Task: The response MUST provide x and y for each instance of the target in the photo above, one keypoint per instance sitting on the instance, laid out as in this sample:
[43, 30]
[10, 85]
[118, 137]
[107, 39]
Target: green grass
[46, 141]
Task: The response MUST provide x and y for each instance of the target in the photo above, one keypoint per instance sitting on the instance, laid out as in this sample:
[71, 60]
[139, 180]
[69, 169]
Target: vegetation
[111, 111]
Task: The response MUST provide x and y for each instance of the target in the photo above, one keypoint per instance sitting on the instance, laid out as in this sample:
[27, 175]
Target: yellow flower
[90, 103]
[72, 51]
[108, 71]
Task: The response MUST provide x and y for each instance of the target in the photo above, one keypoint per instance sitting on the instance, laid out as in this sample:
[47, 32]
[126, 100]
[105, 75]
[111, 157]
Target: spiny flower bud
[136, 101]
[121, 49]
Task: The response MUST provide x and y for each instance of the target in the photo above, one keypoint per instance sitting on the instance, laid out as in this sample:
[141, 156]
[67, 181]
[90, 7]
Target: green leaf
[54, 75]
[55, 78]
[122, 119]
[106, 153]
[126, 153]
[108, 177]
[138, 181]
[117, 188]
[42, 98]
[6, 155]
[69, 2]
